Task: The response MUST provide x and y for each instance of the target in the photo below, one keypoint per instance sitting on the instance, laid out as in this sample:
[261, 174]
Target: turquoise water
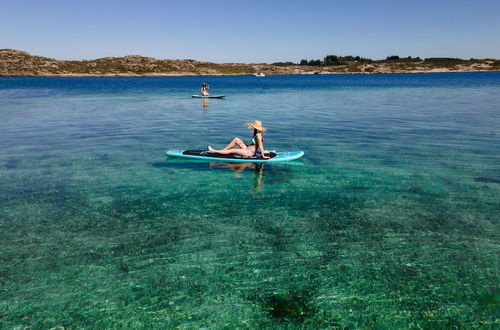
[389, 221]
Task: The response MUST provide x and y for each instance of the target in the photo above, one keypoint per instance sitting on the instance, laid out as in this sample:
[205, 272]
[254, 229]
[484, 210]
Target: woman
[256, 148]
[204, 89]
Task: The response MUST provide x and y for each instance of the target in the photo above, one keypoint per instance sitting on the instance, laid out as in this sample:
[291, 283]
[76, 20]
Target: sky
[251, 31]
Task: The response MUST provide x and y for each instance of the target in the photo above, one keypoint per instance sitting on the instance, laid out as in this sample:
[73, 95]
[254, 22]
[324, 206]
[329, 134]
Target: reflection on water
[204, 104]
[275, 173]
[237, 168]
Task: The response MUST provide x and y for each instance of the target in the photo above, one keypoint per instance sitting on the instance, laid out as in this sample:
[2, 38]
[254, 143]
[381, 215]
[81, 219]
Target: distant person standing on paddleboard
[256, 147]
[204, 89]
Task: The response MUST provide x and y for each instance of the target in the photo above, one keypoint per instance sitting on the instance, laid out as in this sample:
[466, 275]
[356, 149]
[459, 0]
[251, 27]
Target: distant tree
[332, 60]
[444, 60]
[396, 58]
[344, 60]
[283, 63]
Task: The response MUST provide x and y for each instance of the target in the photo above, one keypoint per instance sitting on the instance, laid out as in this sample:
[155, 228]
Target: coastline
[15, 63]
[133, 75]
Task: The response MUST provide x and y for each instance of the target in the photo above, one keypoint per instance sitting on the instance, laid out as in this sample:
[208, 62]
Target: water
[390, 220]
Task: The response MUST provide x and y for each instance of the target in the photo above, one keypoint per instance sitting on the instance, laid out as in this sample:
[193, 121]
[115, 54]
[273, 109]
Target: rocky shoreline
[19, 63]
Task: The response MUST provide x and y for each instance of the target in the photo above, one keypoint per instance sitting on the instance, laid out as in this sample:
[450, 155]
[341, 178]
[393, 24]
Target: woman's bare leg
[241, 152]
[235, 141]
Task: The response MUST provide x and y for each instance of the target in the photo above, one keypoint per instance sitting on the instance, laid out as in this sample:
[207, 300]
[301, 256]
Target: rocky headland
[20, 63]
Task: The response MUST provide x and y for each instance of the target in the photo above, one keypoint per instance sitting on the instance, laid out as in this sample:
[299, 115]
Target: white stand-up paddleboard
[209, 96]
[207, 155]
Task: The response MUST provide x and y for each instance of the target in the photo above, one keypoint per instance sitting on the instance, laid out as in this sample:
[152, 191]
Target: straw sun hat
[257, 124]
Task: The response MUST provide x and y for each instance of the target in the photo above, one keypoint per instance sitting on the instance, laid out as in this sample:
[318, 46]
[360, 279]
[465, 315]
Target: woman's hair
[255, 131]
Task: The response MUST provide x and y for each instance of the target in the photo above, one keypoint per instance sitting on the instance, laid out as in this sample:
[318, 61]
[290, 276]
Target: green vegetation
[353, 67]
[284, 63]
[344, 60]
[74, 66]
[334, 60]
[236, 70]
[19, 63]
[395, 58]
[445, 60]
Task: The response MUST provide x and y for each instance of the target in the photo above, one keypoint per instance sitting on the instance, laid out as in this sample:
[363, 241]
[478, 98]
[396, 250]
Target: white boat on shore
[261, 74]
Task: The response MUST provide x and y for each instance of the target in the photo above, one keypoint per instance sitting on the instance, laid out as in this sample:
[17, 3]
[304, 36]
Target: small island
[20, 63]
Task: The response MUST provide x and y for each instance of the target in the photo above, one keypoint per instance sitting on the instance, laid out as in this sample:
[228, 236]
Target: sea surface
[390, 220]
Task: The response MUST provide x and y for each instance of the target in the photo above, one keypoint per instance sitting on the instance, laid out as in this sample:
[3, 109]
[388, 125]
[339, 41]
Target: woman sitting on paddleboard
[256, 148]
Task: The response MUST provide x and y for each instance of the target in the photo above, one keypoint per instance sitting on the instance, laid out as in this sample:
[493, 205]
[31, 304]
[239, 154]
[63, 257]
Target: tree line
[333, 60]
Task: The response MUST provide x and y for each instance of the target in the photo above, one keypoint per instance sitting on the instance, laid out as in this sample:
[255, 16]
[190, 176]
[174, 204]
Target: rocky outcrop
[19, 63]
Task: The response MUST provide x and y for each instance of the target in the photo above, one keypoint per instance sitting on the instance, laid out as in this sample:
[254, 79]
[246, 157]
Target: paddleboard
[207, 155]
[209, 96]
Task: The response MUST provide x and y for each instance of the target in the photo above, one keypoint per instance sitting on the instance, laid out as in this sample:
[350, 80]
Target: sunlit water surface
[390, 219]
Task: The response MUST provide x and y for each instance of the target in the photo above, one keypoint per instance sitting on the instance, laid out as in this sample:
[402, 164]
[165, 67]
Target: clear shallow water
[390, 220]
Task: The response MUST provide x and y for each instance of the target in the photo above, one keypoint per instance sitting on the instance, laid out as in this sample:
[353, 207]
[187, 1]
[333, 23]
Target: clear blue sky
[251, 31]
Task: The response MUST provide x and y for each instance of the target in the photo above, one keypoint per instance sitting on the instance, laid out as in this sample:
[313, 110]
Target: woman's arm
[261, 145]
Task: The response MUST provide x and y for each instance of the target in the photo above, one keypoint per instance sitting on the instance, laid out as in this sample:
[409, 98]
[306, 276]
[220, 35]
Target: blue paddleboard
[209, 96]
[207, 155]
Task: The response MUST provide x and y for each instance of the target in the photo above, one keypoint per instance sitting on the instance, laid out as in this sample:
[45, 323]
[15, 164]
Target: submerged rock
[11, 163]
[290, 306]
[282, 306]
[486, 180]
